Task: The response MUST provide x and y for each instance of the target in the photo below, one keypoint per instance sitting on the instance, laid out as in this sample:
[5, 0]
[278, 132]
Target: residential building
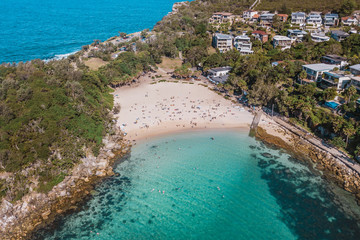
[314, 71]
[266, 19]
[355, 81]
[223, 42]
[282, 41]
[338, 79]
[331, 19]
[355, 69]
[296, 35]
[349, 21]
[243, 44]
[339, 35]
[221, 17]
[314, 18]
[249, 14]
[319, 37]
[335, 60]
[254, 18]
[283, 17]
[261, 35]
[298, 18]
[219, 75]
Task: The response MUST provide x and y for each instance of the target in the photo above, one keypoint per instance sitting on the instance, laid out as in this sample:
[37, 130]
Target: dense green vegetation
[51, 113]
[286, 6]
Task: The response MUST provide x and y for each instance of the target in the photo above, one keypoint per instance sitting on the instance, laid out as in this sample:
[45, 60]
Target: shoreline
[331, 168]
[21, 219]
[175, 132]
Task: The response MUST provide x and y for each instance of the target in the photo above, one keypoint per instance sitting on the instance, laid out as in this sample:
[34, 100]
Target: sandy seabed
[149, 109]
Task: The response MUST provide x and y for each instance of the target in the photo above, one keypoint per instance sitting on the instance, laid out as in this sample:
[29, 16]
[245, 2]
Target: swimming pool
[332, 105]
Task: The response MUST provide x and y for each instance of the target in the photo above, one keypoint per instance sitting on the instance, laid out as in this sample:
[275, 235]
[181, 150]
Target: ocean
[210, 185]
[48, 29]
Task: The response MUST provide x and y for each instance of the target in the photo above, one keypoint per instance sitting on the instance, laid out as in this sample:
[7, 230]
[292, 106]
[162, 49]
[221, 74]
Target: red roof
[346, 18]
[256, 16]
[259, 32]
[283, 15]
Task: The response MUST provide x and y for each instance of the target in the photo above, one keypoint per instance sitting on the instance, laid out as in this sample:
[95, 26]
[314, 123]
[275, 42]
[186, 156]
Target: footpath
[310, 138]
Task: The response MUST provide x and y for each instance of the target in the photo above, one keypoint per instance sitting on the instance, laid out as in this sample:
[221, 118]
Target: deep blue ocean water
[188, 186]
[45, 29]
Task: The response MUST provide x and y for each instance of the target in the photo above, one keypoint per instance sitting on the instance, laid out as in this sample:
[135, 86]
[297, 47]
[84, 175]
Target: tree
[349, 93]
[337, 123]
[347, 7]
[349, 131]
[302, 75]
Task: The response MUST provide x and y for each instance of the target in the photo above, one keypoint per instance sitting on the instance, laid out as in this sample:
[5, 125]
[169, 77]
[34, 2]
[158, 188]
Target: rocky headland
[35, 210]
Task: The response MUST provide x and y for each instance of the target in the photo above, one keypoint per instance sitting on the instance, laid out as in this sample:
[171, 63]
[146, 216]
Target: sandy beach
[149, 109]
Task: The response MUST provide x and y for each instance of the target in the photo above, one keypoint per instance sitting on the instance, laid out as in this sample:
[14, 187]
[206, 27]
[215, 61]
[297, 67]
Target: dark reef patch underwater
[190, 186]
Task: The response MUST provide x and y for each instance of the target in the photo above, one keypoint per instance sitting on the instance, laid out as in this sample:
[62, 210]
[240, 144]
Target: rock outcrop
[37, 209]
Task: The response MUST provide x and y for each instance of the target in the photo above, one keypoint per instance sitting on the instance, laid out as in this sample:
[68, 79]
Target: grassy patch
[52, 181]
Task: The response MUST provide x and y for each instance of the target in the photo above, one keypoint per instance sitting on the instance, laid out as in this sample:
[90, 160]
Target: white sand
[154, 109]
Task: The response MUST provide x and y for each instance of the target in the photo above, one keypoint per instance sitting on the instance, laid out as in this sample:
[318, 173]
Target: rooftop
[259, 32]
[299, 14]
[320, 67]
[244, 37]
[220, 69]
[223, 13]
[339, 33]
[297, 31]
[279, 37]
[331, 15]
[220, 79]
[335, 57]
[223, 36]
[355, 67]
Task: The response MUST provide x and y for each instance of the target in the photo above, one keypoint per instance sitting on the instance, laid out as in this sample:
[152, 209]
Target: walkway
[302, 133]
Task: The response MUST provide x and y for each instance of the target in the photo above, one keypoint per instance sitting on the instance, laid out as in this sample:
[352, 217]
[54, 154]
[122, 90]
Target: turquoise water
[49, 28]
[188, 186]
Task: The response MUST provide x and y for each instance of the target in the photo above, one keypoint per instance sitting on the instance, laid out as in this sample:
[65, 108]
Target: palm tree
[351, 91]
[348, 130]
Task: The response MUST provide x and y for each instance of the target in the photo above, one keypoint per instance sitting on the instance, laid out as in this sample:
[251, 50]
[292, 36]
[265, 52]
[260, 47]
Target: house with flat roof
[314, 18]
[296, 35]
[219, 74]
[261, 35]
[337, 79]
[339, 35]
[335, 60]
[331, 19]
[266, 19]
[314, 71]
[282, 41]
[249, 14]
[283, 17]
[221, 17]
[349, 21]
[223, 42]
[319, 37]
[355, 69]
[298, 18]
[243, 44]
[355, 81]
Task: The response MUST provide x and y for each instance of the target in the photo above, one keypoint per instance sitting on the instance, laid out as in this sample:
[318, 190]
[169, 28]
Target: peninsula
[293, 76]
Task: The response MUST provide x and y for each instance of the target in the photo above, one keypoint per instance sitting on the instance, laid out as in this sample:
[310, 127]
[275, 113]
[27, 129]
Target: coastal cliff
[35, 210]
[332, 169]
